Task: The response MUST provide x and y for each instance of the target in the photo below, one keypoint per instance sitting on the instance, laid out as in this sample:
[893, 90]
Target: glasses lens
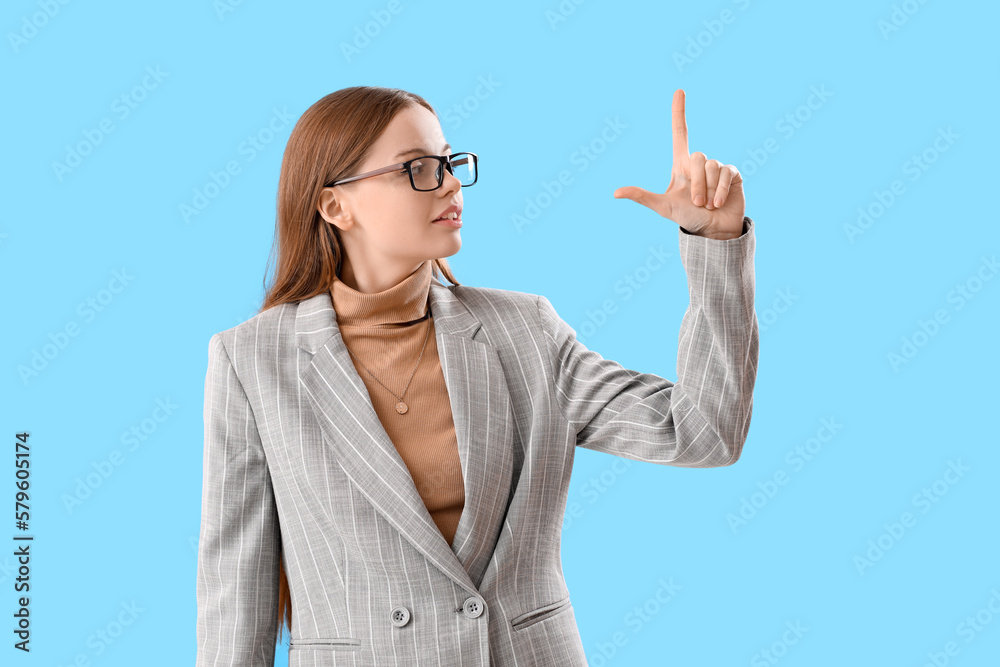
[464, 168]
[426, 173]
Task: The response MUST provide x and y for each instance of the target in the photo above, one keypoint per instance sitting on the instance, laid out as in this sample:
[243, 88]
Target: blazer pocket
[326, 643]
[528, 619]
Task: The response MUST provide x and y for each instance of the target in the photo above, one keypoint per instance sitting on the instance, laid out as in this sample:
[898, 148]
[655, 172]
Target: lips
[457, 210]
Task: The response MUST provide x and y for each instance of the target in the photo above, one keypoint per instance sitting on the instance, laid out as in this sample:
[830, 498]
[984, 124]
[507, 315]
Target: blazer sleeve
[702, 420]
[239, 544]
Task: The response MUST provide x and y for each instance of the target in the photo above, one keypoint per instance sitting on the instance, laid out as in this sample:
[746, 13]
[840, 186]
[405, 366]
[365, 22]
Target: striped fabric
[297, 466]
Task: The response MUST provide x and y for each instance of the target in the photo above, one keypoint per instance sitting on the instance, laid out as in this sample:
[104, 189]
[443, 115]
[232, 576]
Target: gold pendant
[401, 407]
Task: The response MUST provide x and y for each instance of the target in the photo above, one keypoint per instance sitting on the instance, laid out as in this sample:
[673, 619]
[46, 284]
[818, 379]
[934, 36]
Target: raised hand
[704, 196]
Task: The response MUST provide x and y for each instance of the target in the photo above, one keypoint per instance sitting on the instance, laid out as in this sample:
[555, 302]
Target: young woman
[387, 458]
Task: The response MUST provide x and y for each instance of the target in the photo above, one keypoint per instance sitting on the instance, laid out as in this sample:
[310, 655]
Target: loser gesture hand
[704, 196]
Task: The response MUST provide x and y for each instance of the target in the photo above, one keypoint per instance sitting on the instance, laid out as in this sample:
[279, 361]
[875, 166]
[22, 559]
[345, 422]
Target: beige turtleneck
[374, 329]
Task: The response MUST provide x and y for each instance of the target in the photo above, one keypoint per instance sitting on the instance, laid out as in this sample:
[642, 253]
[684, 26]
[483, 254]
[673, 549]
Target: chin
[449, 249]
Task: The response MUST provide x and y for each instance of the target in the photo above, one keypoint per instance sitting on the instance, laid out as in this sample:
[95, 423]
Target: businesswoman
[387, 457]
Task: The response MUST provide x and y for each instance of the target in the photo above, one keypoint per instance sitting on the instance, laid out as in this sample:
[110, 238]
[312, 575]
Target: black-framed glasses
[427, 171]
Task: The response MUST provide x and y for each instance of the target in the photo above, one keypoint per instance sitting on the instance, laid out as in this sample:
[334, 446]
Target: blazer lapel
[482, 415]
[484, 427]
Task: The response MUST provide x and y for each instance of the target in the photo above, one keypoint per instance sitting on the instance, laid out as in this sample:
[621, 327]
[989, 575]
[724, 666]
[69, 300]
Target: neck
[404, 301]
[369, 281]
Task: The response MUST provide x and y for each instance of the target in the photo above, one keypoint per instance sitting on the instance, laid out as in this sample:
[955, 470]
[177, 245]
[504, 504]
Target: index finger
[680, 127]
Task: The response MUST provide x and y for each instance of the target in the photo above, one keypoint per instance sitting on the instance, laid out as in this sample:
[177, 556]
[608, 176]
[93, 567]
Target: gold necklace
[401, 407]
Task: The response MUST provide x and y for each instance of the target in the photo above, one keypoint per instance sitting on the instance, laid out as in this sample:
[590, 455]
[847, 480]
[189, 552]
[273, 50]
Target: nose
[451, 182]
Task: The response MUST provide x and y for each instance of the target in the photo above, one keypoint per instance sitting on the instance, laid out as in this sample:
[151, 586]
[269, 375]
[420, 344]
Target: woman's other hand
[704, 196]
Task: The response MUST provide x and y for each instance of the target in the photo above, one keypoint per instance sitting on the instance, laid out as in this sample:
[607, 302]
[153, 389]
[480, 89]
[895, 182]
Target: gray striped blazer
[297, 466]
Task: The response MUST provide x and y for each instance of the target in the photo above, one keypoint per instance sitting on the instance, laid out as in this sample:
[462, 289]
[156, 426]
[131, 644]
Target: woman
[387, 458]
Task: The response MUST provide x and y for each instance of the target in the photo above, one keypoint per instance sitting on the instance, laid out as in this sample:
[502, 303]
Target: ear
[332, 209]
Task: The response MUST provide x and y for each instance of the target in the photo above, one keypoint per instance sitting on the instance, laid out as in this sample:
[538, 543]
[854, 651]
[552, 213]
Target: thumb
[648, 199]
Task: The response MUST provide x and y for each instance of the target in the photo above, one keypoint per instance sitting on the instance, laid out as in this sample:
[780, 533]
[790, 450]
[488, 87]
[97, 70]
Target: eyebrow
[421, 150]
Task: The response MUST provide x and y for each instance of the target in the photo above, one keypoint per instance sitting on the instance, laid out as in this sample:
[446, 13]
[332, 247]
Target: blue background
[526, 87]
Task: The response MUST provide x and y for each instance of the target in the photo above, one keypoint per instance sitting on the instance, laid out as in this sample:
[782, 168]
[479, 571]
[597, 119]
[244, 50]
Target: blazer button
[400, 616]
[473, 607]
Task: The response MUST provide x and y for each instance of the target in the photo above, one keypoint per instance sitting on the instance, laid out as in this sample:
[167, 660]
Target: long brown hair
[330, 141]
